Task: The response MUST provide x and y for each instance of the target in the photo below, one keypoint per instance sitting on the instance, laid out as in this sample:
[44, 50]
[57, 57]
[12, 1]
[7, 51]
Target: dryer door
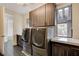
[38, 37]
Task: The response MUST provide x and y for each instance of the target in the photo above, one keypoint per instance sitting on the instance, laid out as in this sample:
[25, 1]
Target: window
[62, 29]
[60, 14]
[67, 13]
[63, 22]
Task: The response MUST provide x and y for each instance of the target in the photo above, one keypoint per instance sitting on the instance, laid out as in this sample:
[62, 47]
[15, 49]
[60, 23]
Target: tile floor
[18, 51]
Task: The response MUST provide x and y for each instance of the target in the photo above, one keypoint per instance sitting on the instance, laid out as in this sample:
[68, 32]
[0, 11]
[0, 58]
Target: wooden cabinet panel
[33, 18]
[74, 51]
[43, 15]
[50, 14]
[19, 40]
[59, 50]
[40, 15]
[37, 17]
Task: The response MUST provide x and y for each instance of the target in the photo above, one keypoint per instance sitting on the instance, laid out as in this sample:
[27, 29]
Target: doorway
[8, 32]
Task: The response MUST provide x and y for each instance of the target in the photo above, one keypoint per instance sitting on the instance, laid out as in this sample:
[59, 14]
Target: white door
[8, 33]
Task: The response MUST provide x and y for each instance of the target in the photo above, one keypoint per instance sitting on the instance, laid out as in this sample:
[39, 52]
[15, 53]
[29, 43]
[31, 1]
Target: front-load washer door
[38, 37]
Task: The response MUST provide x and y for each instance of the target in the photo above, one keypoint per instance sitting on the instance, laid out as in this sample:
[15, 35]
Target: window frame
[70, 36]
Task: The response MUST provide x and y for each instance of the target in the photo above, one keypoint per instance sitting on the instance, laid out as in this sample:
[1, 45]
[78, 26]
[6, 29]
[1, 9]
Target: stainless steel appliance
[39, 41]
[26, 36]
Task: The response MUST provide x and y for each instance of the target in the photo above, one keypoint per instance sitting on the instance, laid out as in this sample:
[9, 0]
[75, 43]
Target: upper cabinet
[50, 14]
[43, 16]
[39, 18]
[32, 18]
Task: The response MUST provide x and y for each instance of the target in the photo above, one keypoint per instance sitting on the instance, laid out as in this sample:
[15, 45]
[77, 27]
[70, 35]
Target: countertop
[69, 41]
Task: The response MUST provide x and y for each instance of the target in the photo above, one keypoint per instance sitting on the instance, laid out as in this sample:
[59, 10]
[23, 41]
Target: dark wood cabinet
[60, 49]
[37, 17]
[32, 18]
[40, 15]
[74, 51]
[43, 16]
[19, 40]
[50, 14]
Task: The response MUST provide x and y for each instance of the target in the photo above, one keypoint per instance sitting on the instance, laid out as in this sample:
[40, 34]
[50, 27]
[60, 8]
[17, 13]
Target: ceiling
[21, 8]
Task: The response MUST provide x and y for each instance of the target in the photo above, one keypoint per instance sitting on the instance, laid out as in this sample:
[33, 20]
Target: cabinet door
[50, 14]
[74, 51]
[41, 16]
[33, 18]
[37, 16]
[59, 50]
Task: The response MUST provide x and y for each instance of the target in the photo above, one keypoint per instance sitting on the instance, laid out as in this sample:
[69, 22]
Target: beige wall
[75, 18]
[2, 11]
[17, 24]
[20, 22]
[26, 21]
